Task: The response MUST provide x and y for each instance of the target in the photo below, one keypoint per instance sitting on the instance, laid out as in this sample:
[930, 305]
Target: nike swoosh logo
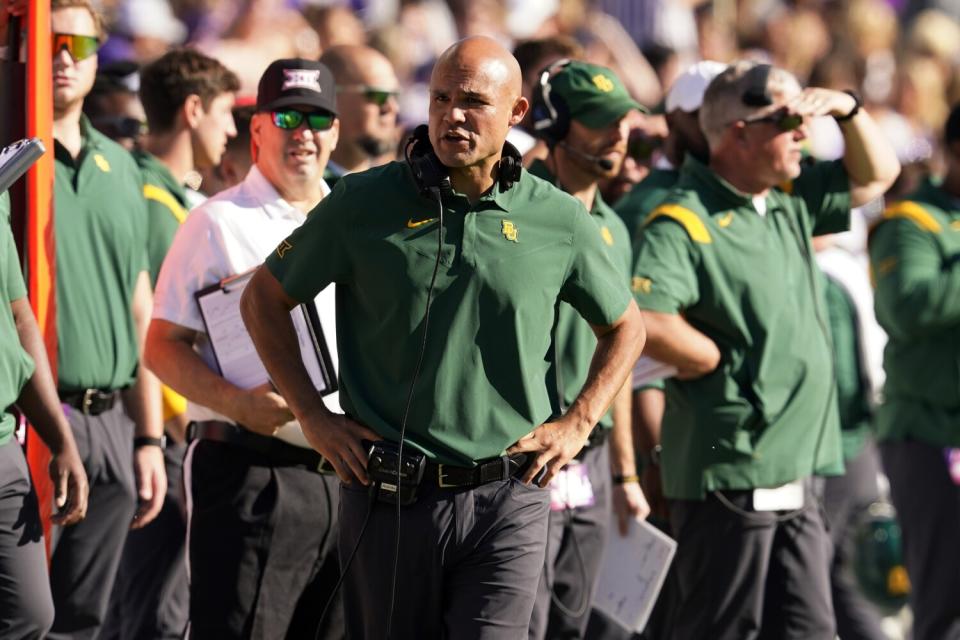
[411, 224]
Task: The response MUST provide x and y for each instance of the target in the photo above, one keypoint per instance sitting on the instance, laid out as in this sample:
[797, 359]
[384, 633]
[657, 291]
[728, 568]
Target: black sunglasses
[782, 119]
[291, 119]
[641, 147]
[376, 95]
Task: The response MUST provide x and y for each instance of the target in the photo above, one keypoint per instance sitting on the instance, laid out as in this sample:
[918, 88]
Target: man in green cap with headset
[580, 110]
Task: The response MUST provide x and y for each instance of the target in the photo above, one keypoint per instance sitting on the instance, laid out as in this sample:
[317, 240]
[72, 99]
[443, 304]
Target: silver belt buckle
[87, 401]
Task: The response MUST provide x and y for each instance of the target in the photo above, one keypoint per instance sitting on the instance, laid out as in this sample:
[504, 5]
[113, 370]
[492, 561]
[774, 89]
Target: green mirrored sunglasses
[291, 119]
[79, 47]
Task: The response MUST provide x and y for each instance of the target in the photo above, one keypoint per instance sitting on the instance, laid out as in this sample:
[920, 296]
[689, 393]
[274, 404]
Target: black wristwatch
[147, 441]
[858, 102]
[652, 457]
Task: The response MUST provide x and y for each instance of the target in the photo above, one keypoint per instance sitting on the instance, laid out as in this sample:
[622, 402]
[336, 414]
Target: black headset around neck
[432, 177]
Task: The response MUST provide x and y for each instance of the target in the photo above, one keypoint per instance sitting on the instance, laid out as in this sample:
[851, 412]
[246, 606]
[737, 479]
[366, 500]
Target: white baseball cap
[687, 91]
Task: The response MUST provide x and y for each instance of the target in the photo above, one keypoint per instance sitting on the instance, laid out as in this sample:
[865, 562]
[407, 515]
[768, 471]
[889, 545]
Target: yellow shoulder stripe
[153, 192]
[915, 213]
[688, 220]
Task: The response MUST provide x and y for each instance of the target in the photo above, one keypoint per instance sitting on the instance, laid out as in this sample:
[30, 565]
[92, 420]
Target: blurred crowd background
[902, 55]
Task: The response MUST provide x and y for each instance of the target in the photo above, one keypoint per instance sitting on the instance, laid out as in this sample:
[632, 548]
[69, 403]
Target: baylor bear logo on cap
[603, 83]
[301, 79]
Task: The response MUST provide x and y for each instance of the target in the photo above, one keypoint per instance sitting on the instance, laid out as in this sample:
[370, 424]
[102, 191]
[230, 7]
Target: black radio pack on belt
[396, 474]
[433, 177]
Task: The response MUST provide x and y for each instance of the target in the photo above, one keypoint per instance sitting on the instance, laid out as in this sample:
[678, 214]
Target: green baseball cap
[593, 94]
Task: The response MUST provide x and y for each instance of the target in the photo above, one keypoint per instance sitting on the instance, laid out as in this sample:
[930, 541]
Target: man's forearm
[616, 352]
[622, 460]
[265, 308]
[180, 367]
[38, 399]
[142, 401]
[869, 159]
[673, 340]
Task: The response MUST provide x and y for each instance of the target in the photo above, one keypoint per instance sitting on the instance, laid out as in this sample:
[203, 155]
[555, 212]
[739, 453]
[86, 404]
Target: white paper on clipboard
[235, 353]
[632, 573]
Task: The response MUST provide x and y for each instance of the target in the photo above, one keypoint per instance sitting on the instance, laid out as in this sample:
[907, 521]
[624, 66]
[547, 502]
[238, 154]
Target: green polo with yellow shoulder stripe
[575, 340]
[504, 262]
[167, 208]
[101, 231]
[768, 414]
[915, 263]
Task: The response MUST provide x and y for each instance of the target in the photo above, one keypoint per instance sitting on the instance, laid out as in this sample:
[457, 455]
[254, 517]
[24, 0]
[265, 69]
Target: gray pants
[750, 575]
[262, 546]
[151, 595]
[575, 546]
[468, 567]
[928, 509]
[844, 500]
[86, 555]
[26, 606]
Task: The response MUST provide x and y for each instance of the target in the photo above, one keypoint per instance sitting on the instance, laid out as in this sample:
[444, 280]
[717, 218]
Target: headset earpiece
[428, 172]
[549, 112]
[511, 166]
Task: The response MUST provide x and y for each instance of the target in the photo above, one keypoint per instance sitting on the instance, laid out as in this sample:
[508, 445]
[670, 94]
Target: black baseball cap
[294, 82]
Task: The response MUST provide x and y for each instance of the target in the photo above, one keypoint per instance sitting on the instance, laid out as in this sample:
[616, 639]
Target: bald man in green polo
[471, 547]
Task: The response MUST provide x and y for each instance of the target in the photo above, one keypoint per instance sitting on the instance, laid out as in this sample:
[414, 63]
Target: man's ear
[519, 110]
[193, 111]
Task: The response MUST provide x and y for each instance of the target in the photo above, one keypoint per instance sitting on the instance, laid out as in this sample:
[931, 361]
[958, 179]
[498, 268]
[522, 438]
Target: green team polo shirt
[100, 225]
[167, 208]
[16, 365]
[768, 414]
[505, 261]
[634, 207]
[914, 259]
[575, 340]
[851, 385]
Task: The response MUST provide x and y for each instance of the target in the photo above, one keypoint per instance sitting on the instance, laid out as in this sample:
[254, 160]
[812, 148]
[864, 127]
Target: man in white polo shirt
[261, 535]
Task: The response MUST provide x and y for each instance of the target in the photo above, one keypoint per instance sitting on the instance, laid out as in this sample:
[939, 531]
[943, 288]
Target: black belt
[91, 402]
[276, 450]
[447, 476]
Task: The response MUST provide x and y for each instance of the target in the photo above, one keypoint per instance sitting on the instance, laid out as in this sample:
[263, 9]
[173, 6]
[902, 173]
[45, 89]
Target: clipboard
[16, 158]
[234, 352]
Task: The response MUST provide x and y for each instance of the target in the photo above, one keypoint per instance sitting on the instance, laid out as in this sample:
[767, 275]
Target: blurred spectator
[335, 25]
[683, 137]
[113, 105]
[247, 35]
[143, 31]
[644, 148]
[367, 91]
[236, 160]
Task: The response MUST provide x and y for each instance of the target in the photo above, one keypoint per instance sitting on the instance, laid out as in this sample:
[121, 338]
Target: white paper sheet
[632, 573]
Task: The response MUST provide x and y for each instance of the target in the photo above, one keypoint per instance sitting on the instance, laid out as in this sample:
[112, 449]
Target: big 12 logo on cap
[301, 79]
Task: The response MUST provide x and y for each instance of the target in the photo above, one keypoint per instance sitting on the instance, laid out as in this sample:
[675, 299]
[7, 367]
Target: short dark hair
[242, 116]
[530, 52]
[167, 82]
